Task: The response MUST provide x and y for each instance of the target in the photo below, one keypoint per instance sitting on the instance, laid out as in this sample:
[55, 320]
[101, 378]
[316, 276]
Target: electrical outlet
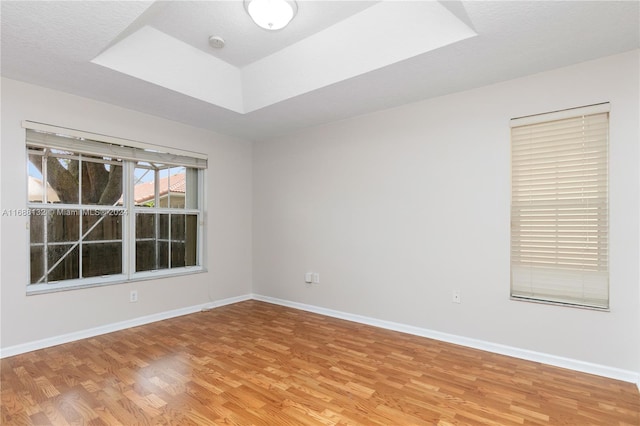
[133, 296]
[456, 296]
[316, 278]
[308, 277]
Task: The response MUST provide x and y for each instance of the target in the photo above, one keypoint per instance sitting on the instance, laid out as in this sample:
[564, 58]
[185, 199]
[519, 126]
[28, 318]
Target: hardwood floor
[262, 364]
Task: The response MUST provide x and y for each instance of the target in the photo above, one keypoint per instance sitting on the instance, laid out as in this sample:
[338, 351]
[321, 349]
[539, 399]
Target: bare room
[279, 212]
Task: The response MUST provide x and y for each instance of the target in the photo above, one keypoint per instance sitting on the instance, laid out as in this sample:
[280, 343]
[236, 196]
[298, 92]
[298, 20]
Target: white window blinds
[47, 136]
[559, 207]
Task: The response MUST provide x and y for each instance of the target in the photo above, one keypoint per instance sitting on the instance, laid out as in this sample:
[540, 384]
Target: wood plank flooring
[254, 363]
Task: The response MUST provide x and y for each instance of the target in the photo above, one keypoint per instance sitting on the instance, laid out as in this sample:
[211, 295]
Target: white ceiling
[316, 70]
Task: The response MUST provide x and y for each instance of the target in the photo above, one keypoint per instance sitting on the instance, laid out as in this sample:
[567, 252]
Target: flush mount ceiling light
[271, 14]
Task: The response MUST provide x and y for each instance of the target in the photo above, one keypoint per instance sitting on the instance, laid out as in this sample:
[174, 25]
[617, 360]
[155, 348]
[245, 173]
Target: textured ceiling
[53, 43]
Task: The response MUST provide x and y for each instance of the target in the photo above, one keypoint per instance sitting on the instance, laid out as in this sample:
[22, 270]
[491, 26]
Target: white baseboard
[96, 331]
[572, 364]
[227, 301]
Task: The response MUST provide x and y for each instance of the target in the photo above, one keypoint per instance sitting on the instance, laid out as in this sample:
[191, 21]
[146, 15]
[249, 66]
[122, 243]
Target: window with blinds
[559, 207]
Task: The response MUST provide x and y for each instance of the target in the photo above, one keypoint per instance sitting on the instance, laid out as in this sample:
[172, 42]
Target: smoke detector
[216, 42]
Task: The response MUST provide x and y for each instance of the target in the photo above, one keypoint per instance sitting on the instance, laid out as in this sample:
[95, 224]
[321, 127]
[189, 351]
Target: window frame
[579, 267]
[195, 161]
[149, 274]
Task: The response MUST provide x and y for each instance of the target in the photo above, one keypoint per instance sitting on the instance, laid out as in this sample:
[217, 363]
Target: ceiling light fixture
[271, 14]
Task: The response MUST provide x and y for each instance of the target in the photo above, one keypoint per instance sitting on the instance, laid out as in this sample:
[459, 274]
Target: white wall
[398, 208]
[30, 318]
[394, 210]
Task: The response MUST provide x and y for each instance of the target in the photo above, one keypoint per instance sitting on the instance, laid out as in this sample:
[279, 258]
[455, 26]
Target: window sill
[34, 289]
[565, 304]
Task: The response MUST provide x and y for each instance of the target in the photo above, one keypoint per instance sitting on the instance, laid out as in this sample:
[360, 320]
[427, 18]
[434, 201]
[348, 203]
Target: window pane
[145, 242]
[152, 245]
[163, 187]
[191, 189]
[191, 240]
[145, 256]
[172, 187]
[152, 255]
[37, 263]
[184, 234]
[62, 176]
[101, 259]
[177, 254]
[163, 255]
[163, 229]
[101, 226]
[144, 187]
[62, 225]
[101, 183]
[177, 240]
[68, 268]
[177, 227]
[36, 227]
[145, 225]
[177, 187]
[35, 181]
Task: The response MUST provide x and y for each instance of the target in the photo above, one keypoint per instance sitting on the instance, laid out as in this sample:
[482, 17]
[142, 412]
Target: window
[104, 210]
[166, 213]
[559, 207]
